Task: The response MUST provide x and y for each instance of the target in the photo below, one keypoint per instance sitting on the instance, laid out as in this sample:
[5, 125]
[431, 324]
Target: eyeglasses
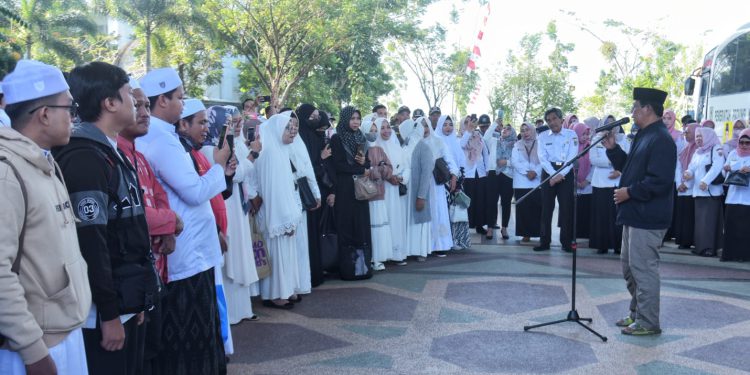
[72, 108]
[744, 143]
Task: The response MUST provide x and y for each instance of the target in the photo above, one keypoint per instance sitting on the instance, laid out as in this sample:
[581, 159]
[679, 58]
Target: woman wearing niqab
[312, 127]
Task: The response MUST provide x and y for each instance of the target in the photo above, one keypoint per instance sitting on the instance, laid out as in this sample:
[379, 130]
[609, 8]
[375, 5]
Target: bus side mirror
[689, 86]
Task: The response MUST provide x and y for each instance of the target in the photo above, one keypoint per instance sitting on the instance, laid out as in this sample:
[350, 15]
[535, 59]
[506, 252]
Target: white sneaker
[378, 266]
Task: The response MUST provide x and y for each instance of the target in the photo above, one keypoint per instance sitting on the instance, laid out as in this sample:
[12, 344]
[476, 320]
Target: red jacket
[160, 218]
[217, 202]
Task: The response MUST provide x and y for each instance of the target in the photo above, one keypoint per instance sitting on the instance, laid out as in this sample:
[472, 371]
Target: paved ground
[464, 314]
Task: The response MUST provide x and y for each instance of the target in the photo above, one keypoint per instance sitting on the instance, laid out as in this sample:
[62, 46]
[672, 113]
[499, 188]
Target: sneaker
[401, 263]
[624, 322]
[636, 329]
[378, 266]
[440, 254]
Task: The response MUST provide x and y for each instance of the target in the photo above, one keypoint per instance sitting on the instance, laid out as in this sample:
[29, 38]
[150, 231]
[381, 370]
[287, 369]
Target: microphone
[612, 125]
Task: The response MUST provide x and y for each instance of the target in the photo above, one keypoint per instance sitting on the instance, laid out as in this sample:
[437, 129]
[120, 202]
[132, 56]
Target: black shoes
[286, 306]
[602, 251]
[481, 230]
[541, 247]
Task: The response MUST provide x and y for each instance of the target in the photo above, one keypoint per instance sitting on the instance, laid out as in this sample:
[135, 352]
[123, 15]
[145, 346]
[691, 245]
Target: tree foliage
[530, 85]
[637, 57]
[48, 25]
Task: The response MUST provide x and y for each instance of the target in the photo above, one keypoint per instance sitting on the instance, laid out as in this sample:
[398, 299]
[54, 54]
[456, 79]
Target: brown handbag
[364, 188]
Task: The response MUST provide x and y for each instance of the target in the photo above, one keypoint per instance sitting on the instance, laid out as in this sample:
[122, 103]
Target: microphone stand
[573, 313]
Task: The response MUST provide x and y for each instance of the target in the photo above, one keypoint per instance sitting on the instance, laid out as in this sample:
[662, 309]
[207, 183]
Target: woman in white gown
[380, 171]
[394, 202]
[281, 211]
[303, 168]
[442, 238]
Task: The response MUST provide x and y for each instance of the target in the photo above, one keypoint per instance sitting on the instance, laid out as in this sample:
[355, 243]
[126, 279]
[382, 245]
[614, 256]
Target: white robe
[239, 261]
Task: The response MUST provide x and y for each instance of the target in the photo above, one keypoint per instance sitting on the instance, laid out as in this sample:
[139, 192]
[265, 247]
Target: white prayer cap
[159, 81]
[32, 80]
[134, 84]
[191, 107]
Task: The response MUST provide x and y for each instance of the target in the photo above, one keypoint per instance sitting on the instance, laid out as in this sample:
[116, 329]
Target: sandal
[271, 304]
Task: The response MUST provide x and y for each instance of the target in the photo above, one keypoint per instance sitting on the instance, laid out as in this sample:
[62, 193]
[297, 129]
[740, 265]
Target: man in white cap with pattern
[190, 311]
[39, 250]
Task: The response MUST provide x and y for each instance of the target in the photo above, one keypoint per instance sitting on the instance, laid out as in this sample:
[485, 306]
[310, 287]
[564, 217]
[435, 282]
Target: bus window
[731, 68]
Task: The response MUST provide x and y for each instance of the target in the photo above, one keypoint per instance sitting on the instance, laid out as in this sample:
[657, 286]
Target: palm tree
[47, 23]
[149, 16]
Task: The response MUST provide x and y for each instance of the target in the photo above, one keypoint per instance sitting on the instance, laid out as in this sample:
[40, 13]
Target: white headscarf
[451, 141]
[391, 147]
[437, 146]
[280, 212]
[301, 159]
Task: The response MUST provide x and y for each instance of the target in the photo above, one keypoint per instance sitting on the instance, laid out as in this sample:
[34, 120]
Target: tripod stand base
[572, 317]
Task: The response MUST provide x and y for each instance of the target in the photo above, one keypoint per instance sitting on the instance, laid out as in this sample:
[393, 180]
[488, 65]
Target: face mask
[4, 119]
[371, 137]
[737, 132]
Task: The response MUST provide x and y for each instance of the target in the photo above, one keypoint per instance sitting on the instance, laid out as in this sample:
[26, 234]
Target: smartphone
[361, 150]
[264, 99]
[250, 133]
[223, 135]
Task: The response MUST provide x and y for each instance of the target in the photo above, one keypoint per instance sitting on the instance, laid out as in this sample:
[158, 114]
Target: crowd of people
[138, 223]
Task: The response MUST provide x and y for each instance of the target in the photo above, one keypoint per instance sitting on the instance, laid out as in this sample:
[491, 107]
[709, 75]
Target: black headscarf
[303, 113]
[314, 141]
[352, 139]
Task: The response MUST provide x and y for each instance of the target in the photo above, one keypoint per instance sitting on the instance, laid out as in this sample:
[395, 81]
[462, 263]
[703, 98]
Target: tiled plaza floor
[464, 314]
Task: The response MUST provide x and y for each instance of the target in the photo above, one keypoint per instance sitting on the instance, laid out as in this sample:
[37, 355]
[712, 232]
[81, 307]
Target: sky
[693, 23]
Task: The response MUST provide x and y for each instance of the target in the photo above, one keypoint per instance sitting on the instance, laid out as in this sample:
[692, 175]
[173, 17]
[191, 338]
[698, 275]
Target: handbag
[737, 178]
[355, 262]
[402, 189]
[461, 199]
[136, 286]
[458, 214]
[329, 244]
[720, 177]
[364, 188]
[260, 252]
[441, 172]
[305, 192]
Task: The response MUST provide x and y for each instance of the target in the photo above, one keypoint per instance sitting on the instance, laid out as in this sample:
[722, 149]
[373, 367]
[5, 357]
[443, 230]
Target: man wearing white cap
[163, 223]
[190, 341]
[39, 251]
[112, 227]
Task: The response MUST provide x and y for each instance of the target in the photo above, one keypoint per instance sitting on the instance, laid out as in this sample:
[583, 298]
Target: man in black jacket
[112, 228]
[644, 207]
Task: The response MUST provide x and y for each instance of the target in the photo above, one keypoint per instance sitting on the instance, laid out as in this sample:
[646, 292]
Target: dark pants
[505, 186]
[563, 191]
[492, 194]
[153, 334]
[126, 361]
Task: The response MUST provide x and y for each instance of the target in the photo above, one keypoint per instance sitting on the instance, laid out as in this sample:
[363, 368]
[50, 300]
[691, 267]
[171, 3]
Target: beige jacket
[50, 297]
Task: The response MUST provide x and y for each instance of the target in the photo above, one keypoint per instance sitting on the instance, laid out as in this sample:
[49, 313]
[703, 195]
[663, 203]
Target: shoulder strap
[17, 263]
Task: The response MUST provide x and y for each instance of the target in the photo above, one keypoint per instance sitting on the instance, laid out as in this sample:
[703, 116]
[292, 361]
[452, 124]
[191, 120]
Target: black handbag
[305, 192]
[137, 287]
[329, 245]
[441, 172]
[720, 177]
[402, 189]
[737, 178]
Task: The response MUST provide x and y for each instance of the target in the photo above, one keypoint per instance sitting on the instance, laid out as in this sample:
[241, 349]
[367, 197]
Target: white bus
[723, 92]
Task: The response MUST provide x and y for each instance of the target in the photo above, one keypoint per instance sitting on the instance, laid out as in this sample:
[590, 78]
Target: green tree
[529, 85]
[48, 25]
[281, 41]
[637, 57]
